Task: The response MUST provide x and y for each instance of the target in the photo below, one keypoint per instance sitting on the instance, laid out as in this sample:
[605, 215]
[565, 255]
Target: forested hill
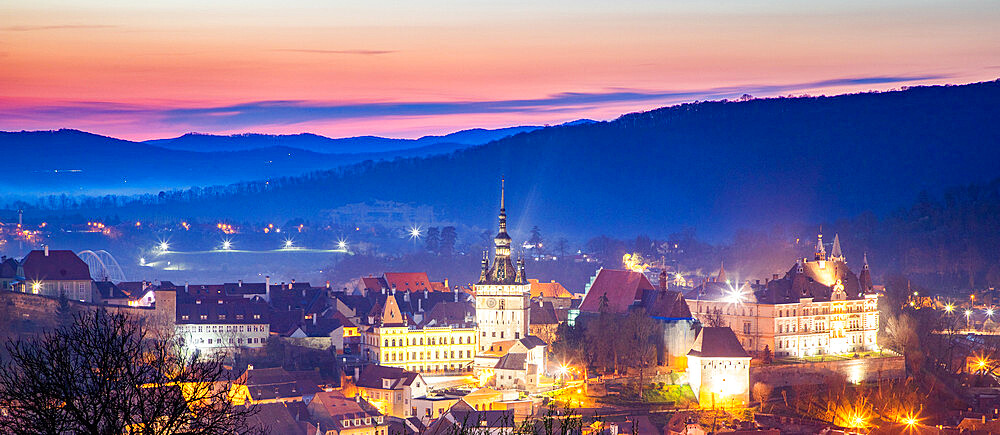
[717, 166]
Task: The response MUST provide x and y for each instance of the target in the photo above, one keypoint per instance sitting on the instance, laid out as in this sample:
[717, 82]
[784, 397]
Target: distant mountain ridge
[76, 162]
[321, 144]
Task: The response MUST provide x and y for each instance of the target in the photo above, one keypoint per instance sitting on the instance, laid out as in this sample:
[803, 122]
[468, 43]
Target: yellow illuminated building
[390, 340]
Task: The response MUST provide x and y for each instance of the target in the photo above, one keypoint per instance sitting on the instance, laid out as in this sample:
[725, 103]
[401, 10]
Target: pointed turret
[721, 277]
[387, 313]
[836, 254]
[865, 277]
[820, 249]
[502, 270]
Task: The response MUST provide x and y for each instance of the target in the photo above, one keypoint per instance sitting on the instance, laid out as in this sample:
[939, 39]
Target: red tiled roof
[622, 287]
[58, 265]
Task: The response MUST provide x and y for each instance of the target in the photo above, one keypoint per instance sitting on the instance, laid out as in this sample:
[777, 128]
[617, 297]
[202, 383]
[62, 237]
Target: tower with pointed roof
[836, 254]
[820, 249]
[503, 293]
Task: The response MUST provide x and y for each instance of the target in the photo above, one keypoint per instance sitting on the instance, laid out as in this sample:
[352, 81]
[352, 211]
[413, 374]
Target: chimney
[420, 305]
[357, 374]
[239, 283]
[406, 297]
[290, 284]
[46, 250]
[314, 319]
[267, 288]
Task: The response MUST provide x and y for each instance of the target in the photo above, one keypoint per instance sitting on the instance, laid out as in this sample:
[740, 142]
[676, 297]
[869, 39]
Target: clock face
[491, 302]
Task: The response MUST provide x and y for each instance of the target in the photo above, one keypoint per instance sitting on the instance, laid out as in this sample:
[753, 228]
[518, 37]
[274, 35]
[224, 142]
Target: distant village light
[342, 244]
[288, 243]
[227, 245]
[164, 246]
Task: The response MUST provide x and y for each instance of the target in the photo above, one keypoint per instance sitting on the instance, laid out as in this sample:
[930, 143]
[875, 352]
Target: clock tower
[503, 293]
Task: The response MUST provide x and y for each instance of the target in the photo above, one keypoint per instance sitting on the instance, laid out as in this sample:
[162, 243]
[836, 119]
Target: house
[275, 385]
[719, 368]
[56, 273]
[335, 414]
[552, 292]
[391, 389]
[209, 320]
[543, 321]
[518, 364]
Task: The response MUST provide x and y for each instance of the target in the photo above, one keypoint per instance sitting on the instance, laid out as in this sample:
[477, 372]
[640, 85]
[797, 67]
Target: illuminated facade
[389, 339]
[391, 390]
[819, 307]
[718, 368]
[210, 321]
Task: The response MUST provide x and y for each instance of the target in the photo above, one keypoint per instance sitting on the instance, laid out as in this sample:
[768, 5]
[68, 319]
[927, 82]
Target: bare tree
[104, 373]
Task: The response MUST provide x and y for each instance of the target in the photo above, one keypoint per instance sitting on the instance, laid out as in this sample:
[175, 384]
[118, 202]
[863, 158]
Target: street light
[227, 245]
[288, 244]
[342, 244]
[164, 246]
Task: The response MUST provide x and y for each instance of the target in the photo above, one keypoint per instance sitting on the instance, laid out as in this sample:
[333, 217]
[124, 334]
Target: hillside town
[639, 351]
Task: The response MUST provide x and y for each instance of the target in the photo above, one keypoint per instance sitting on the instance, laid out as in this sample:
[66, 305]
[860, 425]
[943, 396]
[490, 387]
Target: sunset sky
[152, 69]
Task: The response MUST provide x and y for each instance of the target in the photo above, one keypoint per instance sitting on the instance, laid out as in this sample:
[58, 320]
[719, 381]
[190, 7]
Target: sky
[153, 69]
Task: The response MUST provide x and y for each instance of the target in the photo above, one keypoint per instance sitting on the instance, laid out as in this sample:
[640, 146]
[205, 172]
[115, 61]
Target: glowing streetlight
[968, 313]
[342, 244]
[164, 246]
[415, 232]
[989, 312]
[949, 308]
[288, 244]
[910, 421]
[227, 245]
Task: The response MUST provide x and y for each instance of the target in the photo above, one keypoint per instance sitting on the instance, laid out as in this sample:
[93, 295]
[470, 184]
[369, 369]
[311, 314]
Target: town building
[391, 389]
[391, 338]
[718, 368]
[57, 273]
[335, 414]
[554, 293]
[619, 292]
[819, 307]
[211, 321]
[274, 385]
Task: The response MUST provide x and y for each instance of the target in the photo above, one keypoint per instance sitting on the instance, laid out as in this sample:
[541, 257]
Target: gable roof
[450, 313]
[387, 313]
[548, 290]
[622, 288]
[275, 418]
[543, 313]
[57, 265]
[717, 342]
[277, 383]
[372, 377]
[410, 282]
[512, 361]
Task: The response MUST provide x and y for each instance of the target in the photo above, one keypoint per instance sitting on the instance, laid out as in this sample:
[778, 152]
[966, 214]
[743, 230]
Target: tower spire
[501, 193]
[836, 253]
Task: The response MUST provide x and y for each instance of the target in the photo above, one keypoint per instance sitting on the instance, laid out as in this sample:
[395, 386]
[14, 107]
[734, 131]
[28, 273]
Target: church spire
[721, 277]
[866, 262]
[502, 270]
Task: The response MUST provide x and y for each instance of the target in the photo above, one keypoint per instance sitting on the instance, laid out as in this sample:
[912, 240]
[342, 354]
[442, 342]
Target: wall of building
[805, 328]
[721, 381]
[678, 336]
[321, 343]
[809, 373]
[502, 313]
[453, 350]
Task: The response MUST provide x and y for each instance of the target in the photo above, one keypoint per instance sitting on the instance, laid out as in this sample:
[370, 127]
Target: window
[204, 317]
[256, 316]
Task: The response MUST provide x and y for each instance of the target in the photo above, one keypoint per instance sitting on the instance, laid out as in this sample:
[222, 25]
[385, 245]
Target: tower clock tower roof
[502, 270]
